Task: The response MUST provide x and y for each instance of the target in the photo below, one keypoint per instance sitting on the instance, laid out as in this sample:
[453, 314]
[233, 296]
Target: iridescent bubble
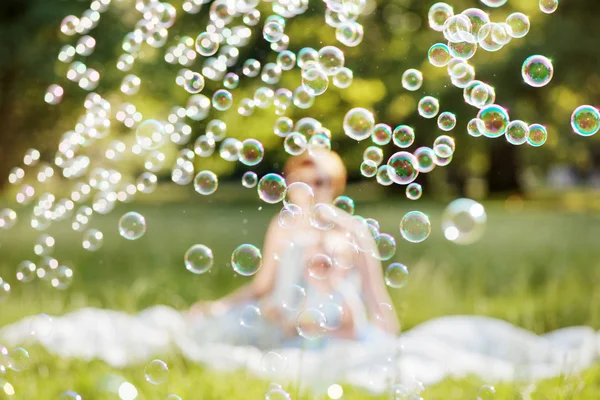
[517, 132]
[62, 278]
[344, 203]
[428, 107]
[252, 152]
[92, 240]
[438, 15]
[381, 134]
[442, 161]
[443, 146]
[263, 97]
[277, 394]
[414, 191]
[283, 126]
[475, 127]
[368, 168]
[403, 136]
[462, 50]
[69, 25]
[446, 121]
[198, 107]
[286, 60]
[458, 28]
[463, 221]
[403, 167]
[315, 80]
[494, 3]
[54, 94]
[306, 56]
[271, 188]
[300, 194]
[386, 246]
[295, 143]
[548, 6]
[358, 123]
[537, 135]
[156, 372]
[26, 271]
[415, 227]
[206, 182]
[8, 218]
[204, 146]
[250, 317]
[486, 392]
[207, 44]
[249, 179]
[439, 55]
[151, 134]
[374, 154]
[319, 145]
[18, 359]
[273, 29]
[311, 324]
[343, 78]
[130, 84]
[488, 36]
[478, 19]
[495, 120]
[193, 82]
[331, 59]
[41, 326]
[396, 275]
[198, 259]
[231, 80]
[132, 225]
[273, 362]
[319, 266]
[349, 33]
[480, 94]
[519, 24]
[251, 68]
[322, 216]
[246, 259]
[537, 71]
[412, 79]
[230, 149]
[383, 175]
[585, 120]
[302, 98]
[290, 215]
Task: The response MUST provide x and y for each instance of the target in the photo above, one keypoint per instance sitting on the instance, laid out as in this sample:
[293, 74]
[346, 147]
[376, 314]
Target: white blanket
[454, 346]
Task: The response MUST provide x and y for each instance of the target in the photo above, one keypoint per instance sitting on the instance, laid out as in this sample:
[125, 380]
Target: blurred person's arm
[261, 284]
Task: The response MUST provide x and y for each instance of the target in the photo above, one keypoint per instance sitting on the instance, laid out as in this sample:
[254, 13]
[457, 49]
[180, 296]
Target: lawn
[536, 266]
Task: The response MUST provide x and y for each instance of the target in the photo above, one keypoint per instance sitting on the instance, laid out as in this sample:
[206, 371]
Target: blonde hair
[329, 163]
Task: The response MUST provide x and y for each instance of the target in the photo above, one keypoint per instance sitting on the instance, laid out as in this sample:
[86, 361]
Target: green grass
[537, 267]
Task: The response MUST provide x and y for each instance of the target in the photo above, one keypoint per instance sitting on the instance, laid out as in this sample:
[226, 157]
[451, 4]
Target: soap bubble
[62, 278]
[438, 15]
[585, 120]
[26, 271]
[463, 221]
[70, 395]
[537, 71]
[132, 225]
[286, 60]
[130, 84]
[44, 245]
[414, 191]
[403, 167]
[425, 159]
[537, 135]
[475, 127]
[373, 153]
[193, 82]
[458, 28]
[343, 78]
[315, 80]
[412, 79]
[18, 359]
[252, 152]
[462, 50]
[230, 149]
[273, 29]
[381, 134]
[8, 218]
[295, 143]
[246, 259]
[319, 266]
[519, 24]
[216, 129]
[403, 136]
[231, 81]
[349, 33]
[151, 134]
[207, 44]
[358, 123]
[331, 59]
[548, 6]
[263, 97]
[206, 182]
[495, 120]
[271, 188]
[368, 168]
[92, 240]
[302, 98]
[344, 203]
[439, 55]
[250, 317]
[156, 372]
[290, 215]
[198, 259]
[415, 227]
[478, 19]
[517, 132]
[277, 394]
[386, 246]
[443, 146]
[69, 25]
[299, 193]
[428, 107]
[283, 126]
[446, 121]
[273, 363]
[396, 275]
[383, 175]
[249, 179]
[486, 392]
[494, 3]
[311, 324]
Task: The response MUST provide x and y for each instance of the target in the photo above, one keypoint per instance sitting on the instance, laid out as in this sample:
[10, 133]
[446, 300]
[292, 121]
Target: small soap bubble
[403, 167]
[344, 203]
[537, 71]
[462, 50]
[250, 317]
[277, 394]
[383, 175]
[438, 15]
[475, 127]
[295, 143]
[358, 123]
[331, 59]
[231, 80]
[412, 79]
[26, 271]
[548, 6]
[444, 146]
[54, 94]
[156, 372]
[271, 188]
[343, 78]
[428, 107]
[92, 240]
[381, 134]
[8, 218]
[318, 145]
[494, 3]
[439, 55]
[495, 120]
[151, 134]
[198, 259]
[193, 82]
[249, 179]
[207, 44]
[414, 191]
[386, 246]
[286, 60]
[290, 215]
[517, 132]
[403, 136]
[368, 168]
[132, 225]
[446, 121]
[486, 392]
[585, 120]
[311, 324]
[18, 359]
[273, 363]
[463, 221]
[315, 80]
[41, 326]
[373, 153]
[319, 266]
[299, 194]
[537, 135]
[349, 33]
[519, 24]
[252, 152]
[44, 245]
[396, 275]
[62, 278]
[415, 226]
[230, 149]
[206, 182]
[246, 259]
